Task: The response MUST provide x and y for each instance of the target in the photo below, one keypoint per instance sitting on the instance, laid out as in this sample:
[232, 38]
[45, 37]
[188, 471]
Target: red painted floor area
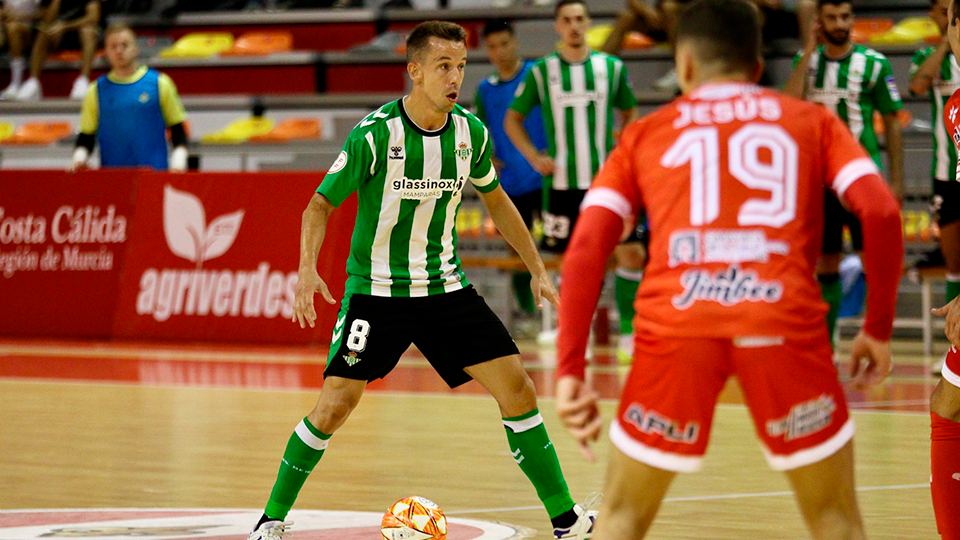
[236, 366]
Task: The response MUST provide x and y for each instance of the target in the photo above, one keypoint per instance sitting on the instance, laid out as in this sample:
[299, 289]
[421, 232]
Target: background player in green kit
[935, 71]
[409, 162]
[853, 81]
[577, 90]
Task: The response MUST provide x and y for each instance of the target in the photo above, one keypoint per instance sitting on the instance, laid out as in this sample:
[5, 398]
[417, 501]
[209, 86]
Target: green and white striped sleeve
[483, 176]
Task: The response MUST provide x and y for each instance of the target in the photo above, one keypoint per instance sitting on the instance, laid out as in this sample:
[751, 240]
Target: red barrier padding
[197, 257]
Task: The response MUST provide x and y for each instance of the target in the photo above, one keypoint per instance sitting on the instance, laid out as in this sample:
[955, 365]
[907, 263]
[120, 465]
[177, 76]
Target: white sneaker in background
[271, 530]
[30, 91]
[80, 87]
[668, 83]
[10, 92]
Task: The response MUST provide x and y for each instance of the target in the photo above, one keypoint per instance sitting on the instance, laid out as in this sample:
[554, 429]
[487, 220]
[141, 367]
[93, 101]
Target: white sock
[17, 66]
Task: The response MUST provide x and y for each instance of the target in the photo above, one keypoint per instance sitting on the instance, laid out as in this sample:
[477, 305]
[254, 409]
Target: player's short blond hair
[116, 28]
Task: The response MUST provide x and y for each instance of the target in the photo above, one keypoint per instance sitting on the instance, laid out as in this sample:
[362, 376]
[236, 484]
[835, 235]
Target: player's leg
[18, 33]
[800, 415]
[945, 449]
[631, 258]
[368, 339]
[662, 427]
[464, 339]
[632, 496]
[828, 265]
[46, 40]
[827, 498]
[947, 214]
[527, 204]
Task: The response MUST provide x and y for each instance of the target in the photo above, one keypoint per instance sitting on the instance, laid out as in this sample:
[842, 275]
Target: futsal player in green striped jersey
[577, 90]
[409, 162]
[935, 72]
[853, 81]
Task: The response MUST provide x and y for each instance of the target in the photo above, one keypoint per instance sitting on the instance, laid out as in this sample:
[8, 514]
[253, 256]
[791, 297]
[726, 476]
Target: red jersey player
[945, 401]
[732, 179]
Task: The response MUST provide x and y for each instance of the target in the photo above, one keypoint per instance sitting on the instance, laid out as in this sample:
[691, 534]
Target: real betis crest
[463, 152]
[351, 358]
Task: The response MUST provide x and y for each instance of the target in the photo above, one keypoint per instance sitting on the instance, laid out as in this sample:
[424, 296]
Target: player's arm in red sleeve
[856, 180]
[613, 197]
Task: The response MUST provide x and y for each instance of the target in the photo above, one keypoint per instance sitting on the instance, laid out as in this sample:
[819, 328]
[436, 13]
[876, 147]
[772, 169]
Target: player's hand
[309, 283]
[578, 410]
[952, 329]
[543, 164]
[878, 362]
[813, 40]
[542, 287]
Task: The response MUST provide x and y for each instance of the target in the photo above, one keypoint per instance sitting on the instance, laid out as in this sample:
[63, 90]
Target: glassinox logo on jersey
[427, 188]
[196, 291]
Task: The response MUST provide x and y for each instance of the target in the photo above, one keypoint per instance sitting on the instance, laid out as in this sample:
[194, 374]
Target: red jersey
[732, 180]
[951, 119]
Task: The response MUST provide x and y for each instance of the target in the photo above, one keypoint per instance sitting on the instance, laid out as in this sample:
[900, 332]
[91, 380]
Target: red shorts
[951, 368]
[790, 386]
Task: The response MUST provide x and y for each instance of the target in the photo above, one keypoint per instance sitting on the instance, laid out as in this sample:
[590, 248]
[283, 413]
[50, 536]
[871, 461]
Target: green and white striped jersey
[948, 82]
[577, 105]
[853, 87]
[409, 183]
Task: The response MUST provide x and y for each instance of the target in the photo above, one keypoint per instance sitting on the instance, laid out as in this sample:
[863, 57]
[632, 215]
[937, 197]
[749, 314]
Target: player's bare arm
[796, 84]
[508, 221]
[922, 80]
[313, 228]
[894, 136]
[952, 313]
[513, 125]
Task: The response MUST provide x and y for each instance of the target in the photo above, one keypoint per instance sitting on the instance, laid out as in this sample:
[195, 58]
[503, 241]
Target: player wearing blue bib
[494, 95]
[128, 111]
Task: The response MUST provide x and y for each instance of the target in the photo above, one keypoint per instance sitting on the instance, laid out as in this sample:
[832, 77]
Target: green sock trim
[953, 290]
[523, 292]
[832, 292]
[625, 291]
[299, 460]
[530, 414]
[537, 458]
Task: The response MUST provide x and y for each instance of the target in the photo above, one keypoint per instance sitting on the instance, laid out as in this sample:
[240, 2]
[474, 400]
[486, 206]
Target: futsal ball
[414, 518]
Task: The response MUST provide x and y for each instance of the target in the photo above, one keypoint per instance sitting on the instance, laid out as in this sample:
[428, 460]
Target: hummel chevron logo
[338, 329]
[953, 114]
[516, 454]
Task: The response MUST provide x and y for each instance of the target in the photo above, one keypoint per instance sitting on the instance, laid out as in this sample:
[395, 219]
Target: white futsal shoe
[271, 530]
[587, 516]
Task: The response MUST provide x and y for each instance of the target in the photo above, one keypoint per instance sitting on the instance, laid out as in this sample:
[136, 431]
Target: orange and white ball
[414, 518]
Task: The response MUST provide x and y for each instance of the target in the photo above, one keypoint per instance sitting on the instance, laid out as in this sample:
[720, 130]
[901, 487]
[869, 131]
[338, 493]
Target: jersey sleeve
[624, 98]
[170, 104]
[951, 118]
[844, 159]
[483, 175]
[90, 111]
[616, 186]
[355, 163]
[918, 59]
[528, 93]
[885, 92]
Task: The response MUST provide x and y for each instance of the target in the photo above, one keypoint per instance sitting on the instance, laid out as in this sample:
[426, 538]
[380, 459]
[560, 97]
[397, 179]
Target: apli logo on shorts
[654, 423]
[166, 292]
[804, 419]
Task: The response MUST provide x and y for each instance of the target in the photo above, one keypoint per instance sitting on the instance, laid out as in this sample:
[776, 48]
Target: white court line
[698, 498]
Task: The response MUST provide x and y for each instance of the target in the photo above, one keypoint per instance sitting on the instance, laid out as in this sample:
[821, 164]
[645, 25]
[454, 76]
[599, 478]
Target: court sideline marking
[698, 498]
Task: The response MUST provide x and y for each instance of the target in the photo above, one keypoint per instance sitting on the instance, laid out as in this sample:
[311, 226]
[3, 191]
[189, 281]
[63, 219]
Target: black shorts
[453, 331]
[946, 202]
[835, 217]
[560, 211]
[528, 205]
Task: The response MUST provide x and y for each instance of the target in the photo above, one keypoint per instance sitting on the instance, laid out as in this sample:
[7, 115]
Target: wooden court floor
[88, 425]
